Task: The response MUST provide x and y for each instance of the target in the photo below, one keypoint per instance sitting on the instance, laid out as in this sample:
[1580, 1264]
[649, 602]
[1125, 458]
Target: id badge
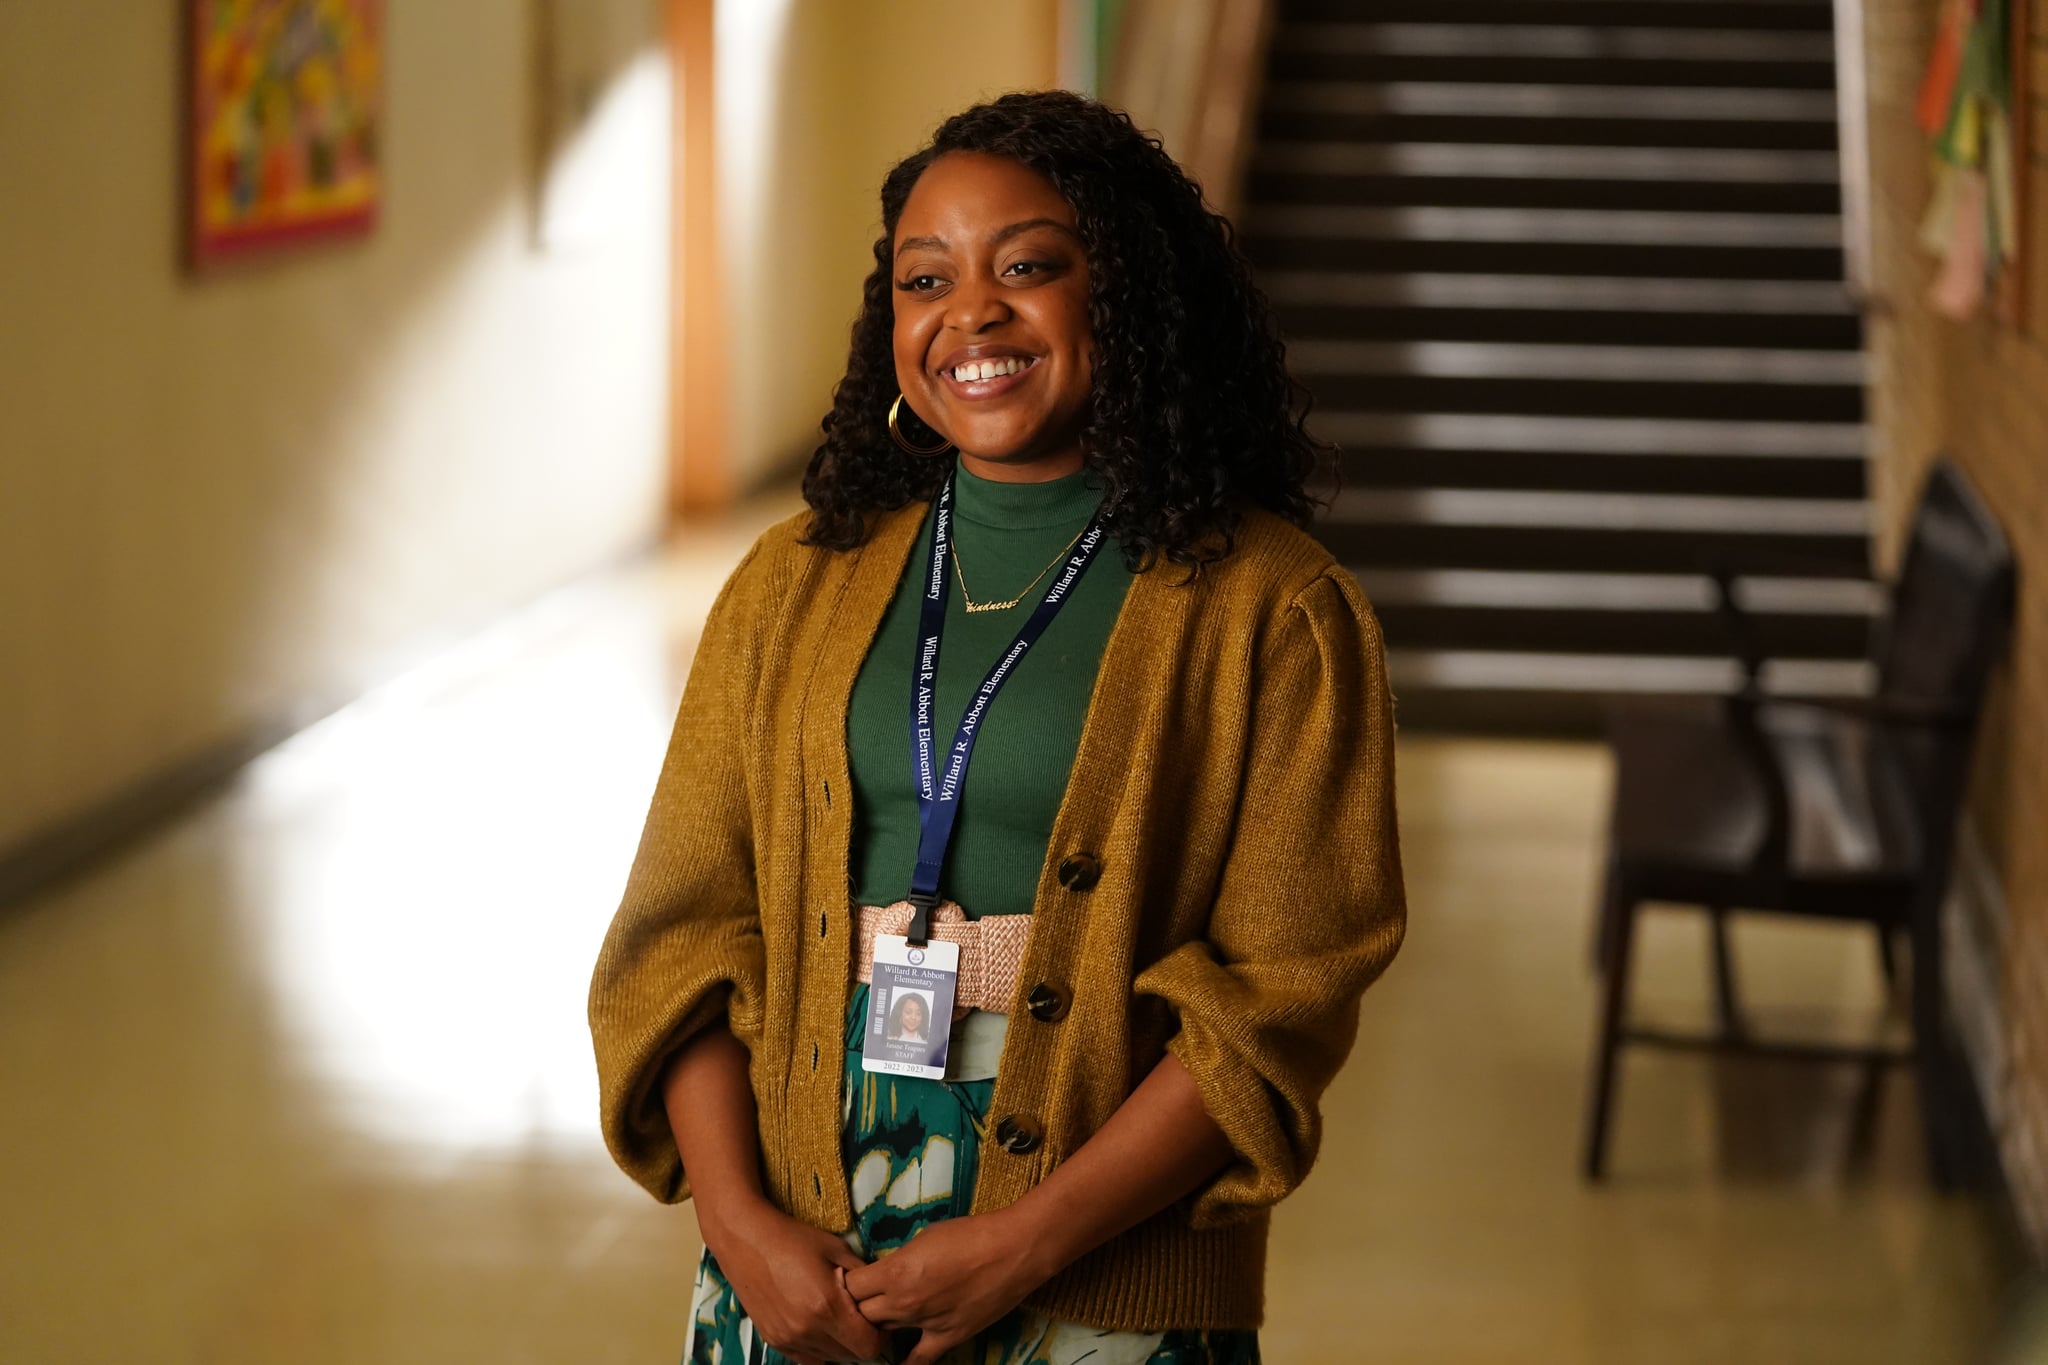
[910, 1007]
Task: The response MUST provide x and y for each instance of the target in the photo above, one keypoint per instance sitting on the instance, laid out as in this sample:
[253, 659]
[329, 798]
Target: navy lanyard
[938, 796]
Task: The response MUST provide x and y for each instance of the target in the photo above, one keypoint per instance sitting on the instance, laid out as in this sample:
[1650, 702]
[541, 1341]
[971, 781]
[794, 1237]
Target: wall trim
[55, 854]
[75, 845]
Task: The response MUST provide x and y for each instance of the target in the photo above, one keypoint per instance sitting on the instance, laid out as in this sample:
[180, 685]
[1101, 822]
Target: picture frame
[284, 124]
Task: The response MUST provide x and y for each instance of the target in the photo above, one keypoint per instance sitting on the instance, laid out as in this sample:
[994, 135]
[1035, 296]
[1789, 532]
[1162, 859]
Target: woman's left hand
[949, 1281]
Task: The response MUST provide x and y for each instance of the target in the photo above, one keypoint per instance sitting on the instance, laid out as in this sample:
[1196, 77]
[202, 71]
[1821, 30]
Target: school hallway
[387, 389]
[304, 1077]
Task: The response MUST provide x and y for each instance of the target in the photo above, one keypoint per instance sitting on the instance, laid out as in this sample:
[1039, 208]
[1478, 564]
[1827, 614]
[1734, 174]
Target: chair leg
[1603, 926]
[1930, 1079]
[1727, 1013]
[1887, 957]
[1932, 1060]
[1603, 920]
[1863, 1115]
[1618, 912]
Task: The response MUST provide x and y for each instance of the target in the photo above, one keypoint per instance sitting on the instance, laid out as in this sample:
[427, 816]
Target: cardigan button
[1080, 871]
[1047, 1003]
[1018, 1136]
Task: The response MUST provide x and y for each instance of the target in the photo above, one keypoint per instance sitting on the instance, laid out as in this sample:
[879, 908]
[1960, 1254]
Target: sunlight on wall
[593, 187]
[816, 100]
[427, 910]
[755, 92]
[231, 496]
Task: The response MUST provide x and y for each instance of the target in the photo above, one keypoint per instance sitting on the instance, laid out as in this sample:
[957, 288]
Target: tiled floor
[305, 1078]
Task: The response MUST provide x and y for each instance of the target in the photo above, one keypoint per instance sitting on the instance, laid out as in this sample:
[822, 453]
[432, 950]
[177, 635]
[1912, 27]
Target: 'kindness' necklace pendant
[974, 606]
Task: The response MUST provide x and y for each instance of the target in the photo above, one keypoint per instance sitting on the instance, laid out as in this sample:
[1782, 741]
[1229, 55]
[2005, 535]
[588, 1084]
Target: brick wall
[1978, 391]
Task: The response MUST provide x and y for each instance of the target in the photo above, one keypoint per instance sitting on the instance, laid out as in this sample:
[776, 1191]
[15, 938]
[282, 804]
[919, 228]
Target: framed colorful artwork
[286, 120]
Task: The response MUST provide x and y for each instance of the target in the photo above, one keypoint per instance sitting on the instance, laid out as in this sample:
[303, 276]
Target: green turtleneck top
[1003, 534]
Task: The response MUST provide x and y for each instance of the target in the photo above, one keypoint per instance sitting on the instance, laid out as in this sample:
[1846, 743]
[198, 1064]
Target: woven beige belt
[991, 950]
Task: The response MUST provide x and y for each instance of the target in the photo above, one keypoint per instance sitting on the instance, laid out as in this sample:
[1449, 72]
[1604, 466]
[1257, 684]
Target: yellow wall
[817, 99]
[220, 499]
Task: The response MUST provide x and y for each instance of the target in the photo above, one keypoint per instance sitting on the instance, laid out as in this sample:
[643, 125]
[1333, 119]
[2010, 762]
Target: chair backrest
[1943, 631]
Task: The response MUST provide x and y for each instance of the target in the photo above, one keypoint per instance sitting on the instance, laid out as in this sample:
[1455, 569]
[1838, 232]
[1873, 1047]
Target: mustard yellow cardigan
[1239, 886]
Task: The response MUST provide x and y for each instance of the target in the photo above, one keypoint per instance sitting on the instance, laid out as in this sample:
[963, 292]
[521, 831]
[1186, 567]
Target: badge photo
[910, 1007]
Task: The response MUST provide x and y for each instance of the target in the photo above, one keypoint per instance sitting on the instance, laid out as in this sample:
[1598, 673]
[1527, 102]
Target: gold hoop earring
[896, 435]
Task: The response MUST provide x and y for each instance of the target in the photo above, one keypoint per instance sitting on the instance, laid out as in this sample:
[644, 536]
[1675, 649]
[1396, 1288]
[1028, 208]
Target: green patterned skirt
[912, 1148]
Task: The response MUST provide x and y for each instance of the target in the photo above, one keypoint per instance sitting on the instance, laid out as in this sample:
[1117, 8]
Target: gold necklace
[974, 606]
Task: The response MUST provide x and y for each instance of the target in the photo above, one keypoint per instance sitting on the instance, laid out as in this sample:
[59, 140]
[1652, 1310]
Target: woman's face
[991, 278]
[913, 1014]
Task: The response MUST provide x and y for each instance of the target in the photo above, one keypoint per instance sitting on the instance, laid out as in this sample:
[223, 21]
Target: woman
[1162, 835]
[907, 1019]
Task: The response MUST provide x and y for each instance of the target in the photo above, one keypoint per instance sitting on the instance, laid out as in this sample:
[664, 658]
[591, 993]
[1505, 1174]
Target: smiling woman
[1148, 813]
[1189, 416]
[991, 336]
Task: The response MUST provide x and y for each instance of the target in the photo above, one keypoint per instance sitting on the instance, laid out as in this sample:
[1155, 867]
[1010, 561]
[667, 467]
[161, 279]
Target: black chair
[1842, 808]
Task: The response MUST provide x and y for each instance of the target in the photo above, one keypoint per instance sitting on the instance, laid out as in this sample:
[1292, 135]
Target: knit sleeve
[684, 950]
[1310, 908]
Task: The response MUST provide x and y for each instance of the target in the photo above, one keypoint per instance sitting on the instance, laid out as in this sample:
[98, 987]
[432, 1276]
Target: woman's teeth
[989, 369]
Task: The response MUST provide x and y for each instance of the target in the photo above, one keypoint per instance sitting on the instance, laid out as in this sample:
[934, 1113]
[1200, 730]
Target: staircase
[1564, 277]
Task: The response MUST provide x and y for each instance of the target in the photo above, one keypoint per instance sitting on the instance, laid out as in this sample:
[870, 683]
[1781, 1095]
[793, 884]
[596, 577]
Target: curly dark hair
[1192, 414]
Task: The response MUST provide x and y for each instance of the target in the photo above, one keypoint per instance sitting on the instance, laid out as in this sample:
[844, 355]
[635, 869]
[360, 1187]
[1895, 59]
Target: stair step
[1511, 68]
[1373, 306]
[1758, 594]
[1555, 114]
[1467, 160]
[1651, 437]
[1520, 530]
[1575, 178]
[1726, 14]
[1539, 102]
[1545, 241]
[1564, 630]
[1588, 226]
[1599, 675]
[1618, 613]
[1568, 397]
[1601, 42]
[1712, 197]
[1719, 475]
[1602, 511]
[1791, 331]
[1647, 259]
[1616, 130]
[1618, 364]
[1590, 549]
[1556, 293]
[1533, 693]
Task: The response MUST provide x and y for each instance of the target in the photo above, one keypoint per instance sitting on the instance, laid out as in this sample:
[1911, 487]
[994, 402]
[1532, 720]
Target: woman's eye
[919, 284]
[1026, 268]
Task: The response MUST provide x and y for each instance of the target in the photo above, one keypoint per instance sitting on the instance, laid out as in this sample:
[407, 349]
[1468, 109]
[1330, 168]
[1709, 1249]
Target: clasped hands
[814, 1299]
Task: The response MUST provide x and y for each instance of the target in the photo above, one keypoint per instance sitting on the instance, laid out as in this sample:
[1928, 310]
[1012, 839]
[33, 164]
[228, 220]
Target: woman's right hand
[790, 1279]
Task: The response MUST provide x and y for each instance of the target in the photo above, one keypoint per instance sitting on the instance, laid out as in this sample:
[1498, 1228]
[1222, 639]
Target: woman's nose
[974, 306]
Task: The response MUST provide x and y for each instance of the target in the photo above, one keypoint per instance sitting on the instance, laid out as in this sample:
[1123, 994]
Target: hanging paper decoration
[1965, 108]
